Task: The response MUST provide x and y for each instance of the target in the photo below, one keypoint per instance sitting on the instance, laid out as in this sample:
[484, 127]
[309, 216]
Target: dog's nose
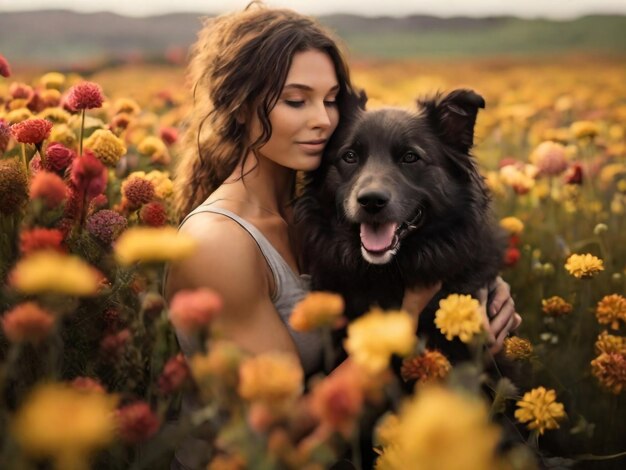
[373, 201]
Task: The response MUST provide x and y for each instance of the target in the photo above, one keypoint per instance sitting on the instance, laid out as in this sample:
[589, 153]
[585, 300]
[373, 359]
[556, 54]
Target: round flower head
[611, 309]
[120, 121]
[459, 315]
[126, 105]
[40, 239]
[58, 157]
[13, 187]
[148, 244]
[89, 174]
[316, 310]
[106, 225]
[49, 188]
[512, 225]
[517, 349]
[374, 337]
[106, 146]
[55, 115]
[610, 370]
[584, 129]
[52, 99]
[153, 214]
[169, 135]
[19, 91]
[53, 272]
[136, 422]
[584, 266]
[152, 146]
[27, 322]
[286, 378]
[175, 374]
[5, 69]
[54, 80]
[18, 115]
[137, 191]
[575, 174]
[556, 306]
[193, 310]
[62, 134]
[85, 95]
[607, 343]
[31, 131]
[112, 345]
[540, 410]
[5, 135]
[428, 367]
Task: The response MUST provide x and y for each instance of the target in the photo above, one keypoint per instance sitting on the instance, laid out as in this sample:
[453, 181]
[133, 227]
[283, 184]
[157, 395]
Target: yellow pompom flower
[62, 134]
[56, 115]
[607, 343]
[584, 129]
[53, 80]
[387, 429]
[152, 244]
[611, 309]
[584, 266]
[316, 310]
[218, 369]
[375, 336]
[512, 225]
[59, 422]
[540, 410]
[518, 349]
[441, 430]
[459, 315]
[53, 272]
[271, 378]
[18, 115]
[154, 148]
[126, 105]
[610, 370]
[106, 146]
[556, 306]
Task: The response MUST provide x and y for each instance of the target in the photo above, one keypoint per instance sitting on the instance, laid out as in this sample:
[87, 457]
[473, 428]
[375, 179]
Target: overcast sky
[526, 8]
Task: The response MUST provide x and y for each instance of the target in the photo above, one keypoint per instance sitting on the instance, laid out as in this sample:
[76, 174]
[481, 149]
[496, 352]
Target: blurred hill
[63, 38]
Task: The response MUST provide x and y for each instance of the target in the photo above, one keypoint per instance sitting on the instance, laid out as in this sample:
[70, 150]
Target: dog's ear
[453, 116]
[356, 99]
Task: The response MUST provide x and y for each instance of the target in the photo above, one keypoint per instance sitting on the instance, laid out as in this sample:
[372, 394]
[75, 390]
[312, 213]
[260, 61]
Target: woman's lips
[313, 147]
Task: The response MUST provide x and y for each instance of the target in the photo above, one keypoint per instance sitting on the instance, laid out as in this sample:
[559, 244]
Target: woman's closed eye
[300, 103]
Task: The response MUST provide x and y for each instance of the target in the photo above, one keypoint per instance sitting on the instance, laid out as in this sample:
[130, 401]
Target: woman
[269, 89]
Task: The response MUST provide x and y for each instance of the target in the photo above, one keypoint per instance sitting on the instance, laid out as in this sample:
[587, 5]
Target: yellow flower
[375, 336]
[54, 272]
[18, 115]
[512, 225]
[272, 378]
[428, 367]
[153, 147]
[163, 185]
[150, 244]
[62, 134]
[517, 349]
[584, 129]
[610, 370]
[62, 423]
[607, 343]
[441, 430]
[52, 80]
[217, 372]
[56, 115]
[126, 105]
[556, 306]
[106, 146]
[584, 266]
[459, 315]
[316, 310]
[540, 410]
[387, 429]
[611, 309]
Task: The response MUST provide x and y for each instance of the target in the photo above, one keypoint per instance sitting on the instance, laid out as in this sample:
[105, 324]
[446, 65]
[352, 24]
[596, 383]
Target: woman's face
[305, 115]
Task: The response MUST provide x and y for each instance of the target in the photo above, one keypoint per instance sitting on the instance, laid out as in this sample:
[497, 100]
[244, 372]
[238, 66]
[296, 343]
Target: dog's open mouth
[380, 241]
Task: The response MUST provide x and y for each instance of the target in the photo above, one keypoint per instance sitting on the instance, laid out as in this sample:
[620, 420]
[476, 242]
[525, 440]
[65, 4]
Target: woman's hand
[499, 314]
[416, 298]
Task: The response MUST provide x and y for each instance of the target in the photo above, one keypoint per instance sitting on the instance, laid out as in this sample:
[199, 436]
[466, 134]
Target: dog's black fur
[413, 168]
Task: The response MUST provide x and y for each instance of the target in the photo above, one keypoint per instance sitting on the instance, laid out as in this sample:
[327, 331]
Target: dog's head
[396, 173]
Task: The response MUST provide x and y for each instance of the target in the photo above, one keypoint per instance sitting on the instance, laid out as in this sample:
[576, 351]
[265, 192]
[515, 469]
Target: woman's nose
[320, 117]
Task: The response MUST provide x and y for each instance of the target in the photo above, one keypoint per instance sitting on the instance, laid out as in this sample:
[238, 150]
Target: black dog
[398, 202]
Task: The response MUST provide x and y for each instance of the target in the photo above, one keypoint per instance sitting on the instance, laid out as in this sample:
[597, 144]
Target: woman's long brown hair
[238, 66]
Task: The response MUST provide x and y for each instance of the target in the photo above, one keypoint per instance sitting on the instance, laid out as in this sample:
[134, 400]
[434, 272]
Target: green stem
[24, 163]
[82, 127]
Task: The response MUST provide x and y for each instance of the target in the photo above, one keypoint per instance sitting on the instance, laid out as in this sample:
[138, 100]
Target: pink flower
[5, 69]
[106, 225]
[89, 174]
[136, 422]
[192, 310]
[85, 95]
[153, 214]
[174, 374]
[169, 135]
[58, 157]
[113, 344]
[40, 239]
[31, 131]
[27, 322]
[49, 187]
[21, 91]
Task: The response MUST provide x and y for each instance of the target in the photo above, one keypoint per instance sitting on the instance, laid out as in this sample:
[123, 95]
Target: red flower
[169, 135]
[575, 174]
[87, 384]
[137, 192]
[192, 310]
[113, 344]
[153, 214]
[5, 70]
[27, 322]
[5, 135]
[31, 131]
[174, 374]
[85, 95]
[58, 157]
[511, 256]
[21, 91]
[106, 225]
[89, 174]
[49, 187]
[136, 422]
[40, 239]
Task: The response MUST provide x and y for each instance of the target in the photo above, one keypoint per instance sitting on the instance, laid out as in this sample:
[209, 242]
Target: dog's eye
[410, 157]
[350, 157]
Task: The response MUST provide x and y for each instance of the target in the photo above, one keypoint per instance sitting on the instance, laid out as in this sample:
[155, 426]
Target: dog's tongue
[378, 237]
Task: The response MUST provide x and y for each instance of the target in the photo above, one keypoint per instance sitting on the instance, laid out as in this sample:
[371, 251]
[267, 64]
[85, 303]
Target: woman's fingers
[497, 346]
[501, 295]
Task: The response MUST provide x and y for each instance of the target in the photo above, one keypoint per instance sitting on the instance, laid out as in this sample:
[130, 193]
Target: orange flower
[584, 266]
[49, 187]
[136, 422]
[27, 322]
[85, 95]
[607, 343]
[611, 309]
[610, 370]
[192, 310]
[517, 349]
[40, 239]
[316, 310]
[556, 306]
[272, 378]
[431, 366]
[31, 131]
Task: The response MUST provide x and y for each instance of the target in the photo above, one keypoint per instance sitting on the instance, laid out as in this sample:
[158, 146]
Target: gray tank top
[290, 288]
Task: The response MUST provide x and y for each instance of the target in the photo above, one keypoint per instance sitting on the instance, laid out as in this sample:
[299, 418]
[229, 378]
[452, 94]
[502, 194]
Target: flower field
[90, 373]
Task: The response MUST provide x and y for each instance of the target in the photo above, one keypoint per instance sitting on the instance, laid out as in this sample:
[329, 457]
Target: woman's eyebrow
[301, 86]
